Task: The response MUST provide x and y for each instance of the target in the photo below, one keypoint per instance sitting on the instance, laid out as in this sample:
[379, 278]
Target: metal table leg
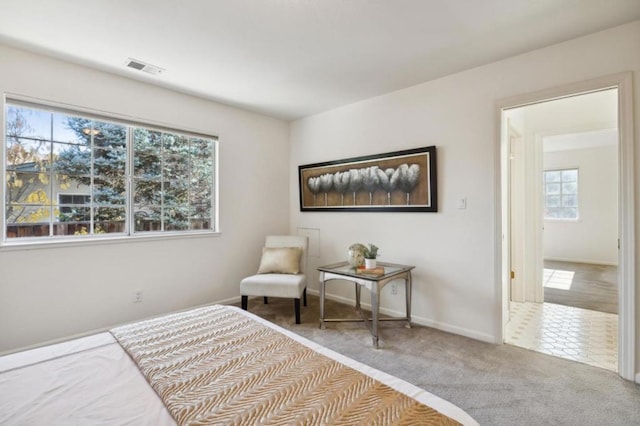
[374, 313]
[322, 290]
[407, 290]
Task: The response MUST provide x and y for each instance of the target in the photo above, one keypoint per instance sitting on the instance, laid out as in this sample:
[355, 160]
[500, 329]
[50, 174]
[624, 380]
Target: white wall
[455, 284]
[593, 238]
[50, 293]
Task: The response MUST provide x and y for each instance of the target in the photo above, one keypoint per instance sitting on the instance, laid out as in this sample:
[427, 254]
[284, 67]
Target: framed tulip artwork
[402, 181]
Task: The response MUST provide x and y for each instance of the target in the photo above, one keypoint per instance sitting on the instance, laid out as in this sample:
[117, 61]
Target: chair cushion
[274, 285]
[280, 260]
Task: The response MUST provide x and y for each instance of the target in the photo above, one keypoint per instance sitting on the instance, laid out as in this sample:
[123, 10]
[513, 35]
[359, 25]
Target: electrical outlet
[394, 288]
[137, 296]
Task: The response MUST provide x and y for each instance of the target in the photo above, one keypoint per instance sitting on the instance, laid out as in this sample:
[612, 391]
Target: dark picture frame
[401, 181]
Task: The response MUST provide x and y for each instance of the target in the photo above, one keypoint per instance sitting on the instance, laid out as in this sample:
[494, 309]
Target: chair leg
[304, 297]
[245, 301]
[265, 301]
[296, 305]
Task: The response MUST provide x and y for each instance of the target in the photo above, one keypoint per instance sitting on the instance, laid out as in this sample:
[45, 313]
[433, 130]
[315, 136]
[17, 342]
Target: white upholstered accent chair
[281, 272]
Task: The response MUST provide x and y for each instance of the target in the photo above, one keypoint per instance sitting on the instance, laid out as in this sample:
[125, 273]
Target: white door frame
[626, 207]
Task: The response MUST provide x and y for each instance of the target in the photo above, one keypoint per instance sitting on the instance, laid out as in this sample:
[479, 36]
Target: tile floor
[577, 334]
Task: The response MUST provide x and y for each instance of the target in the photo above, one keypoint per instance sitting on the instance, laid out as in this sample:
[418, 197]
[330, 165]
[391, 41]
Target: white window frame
[544, 183]
[130, 123]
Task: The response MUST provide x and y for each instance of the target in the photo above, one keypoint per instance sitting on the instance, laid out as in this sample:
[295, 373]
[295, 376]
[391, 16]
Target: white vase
[369, 263]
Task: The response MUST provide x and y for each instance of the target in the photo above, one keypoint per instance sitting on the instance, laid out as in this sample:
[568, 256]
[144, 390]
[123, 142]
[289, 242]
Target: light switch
[462, 203]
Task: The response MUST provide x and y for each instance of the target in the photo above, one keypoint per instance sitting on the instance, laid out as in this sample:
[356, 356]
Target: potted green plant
[370, 254]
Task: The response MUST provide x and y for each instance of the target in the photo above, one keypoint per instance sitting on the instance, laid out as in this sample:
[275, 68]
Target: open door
[525, 211]
[511, 189]
[506, 226]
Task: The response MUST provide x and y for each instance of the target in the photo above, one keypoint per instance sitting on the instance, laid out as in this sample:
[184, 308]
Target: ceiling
[583, 121]
[293, 58]
[585, 140]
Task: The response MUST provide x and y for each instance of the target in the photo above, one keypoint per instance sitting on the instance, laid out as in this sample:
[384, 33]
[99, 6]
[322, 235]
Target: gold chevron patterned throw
[214, 365]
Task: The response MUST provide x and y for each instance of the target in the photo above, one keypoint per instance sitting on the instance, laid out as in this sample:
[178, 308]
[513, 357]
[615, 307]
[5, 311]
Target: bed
[211, 365]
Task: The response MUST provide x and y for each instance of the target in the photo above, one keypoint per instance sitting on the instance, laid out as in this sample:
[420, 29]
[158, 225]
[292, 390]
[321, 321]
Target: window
[71, 175]
[561, 194]
[73, 207]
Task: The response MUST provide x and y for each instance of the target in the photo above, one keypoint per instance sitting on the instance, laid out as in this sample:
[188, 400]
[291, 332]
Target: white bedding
[93, 381]
[88, 381]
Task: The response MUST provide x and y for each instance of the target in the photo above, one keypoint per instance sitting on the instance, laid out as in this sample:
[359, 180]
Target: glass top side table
[344, 271]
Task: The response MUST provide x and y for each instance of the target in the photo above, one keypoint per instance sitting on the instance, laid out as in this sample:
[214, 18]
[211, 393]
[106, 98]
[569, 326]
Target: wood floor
[581, 285]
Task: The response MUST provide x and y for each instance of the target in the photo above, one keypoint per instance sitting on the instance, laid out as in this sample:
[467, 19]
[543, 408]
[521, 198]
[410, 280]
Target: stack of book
[373, 272]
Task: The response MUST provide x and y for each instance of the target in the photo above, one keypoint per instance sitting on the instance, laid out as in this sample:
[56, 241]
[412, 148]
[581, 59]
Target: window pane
[107, 135]
[176, 218]
[66, 183]
[109, 161]
[28, 123]
[109, 220]
[570, 175]
[109, 191]
[30, 213]
[62, 131]
[200, 223]
[27, 155]
[176, 156]
[553, 176]
[553, 188]
[148, 192]
[200, 202]
[569, 201]
[146, 140]
[147, 219]
[78, 228]
[552, 213]
[74, 213]
[36, 194]
[569, 188]
[201, 148]
[176, 193]
[72, 159]
[148, 150]
[109, 149]
[570, 213]
[26, 230]
[553, 200]
[20, 185]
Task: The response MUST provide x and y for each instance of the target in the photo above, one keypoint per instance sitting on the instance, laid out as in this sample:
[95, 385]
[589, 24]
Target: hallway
[577, 334]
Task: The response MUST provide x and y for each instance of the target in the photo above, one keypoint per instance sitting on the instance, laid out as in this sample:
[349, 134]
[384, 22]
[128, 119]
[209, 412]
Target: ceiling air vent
[142, 66]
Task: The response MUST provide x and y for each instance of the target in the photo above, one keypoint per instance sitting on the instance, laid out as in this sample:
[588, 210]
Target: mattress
[94, 380]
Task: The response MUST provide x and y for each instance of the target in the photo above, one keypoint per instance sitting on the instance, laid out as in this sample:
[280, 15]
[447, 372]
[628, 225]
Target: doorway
[532, 204]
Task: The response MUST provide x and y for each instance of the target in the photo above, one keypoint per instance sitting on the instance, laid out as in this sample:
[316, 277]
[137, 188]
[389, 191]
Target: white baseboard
[427, 322]
[235, 299]
[589, 261]
[638, 378]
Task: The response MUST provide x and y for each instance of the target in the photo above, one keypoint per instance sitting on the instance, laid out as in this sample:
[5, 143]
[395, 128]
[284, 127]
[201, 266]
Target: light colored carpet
[495, 384]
